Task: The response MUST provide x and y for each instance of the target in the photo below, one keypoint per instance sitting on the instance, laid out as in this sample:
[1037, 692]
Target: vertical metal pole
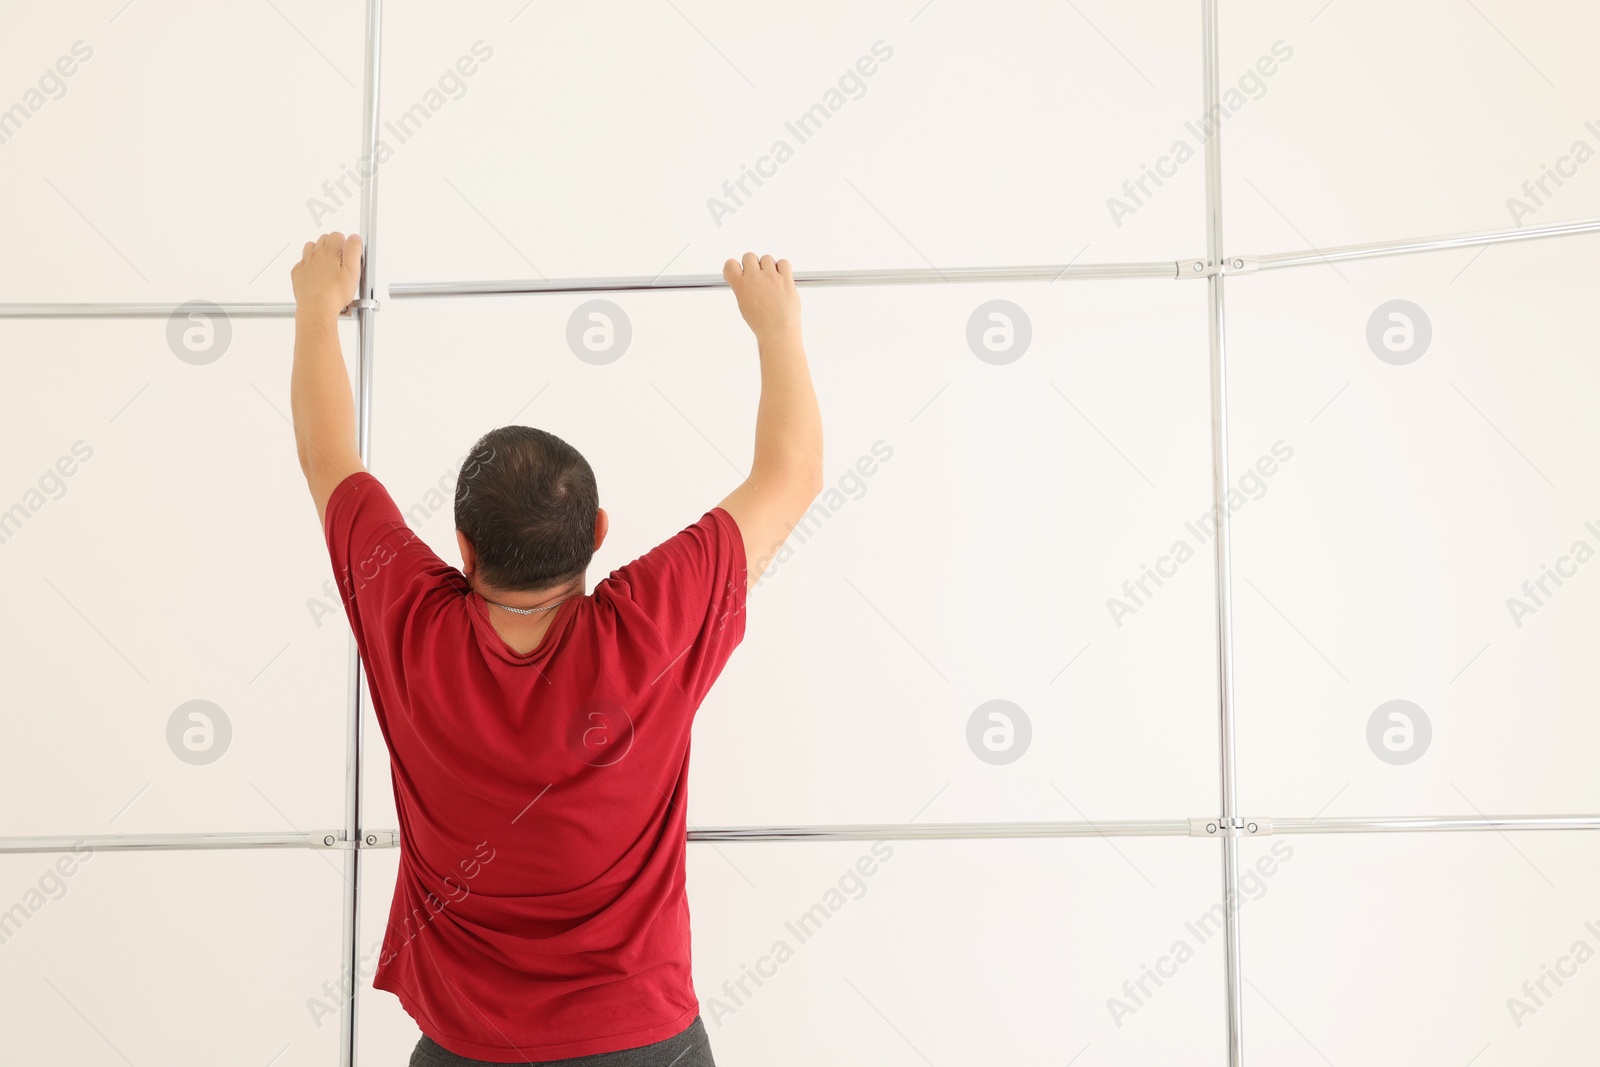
[366, 294]
[1219, 492]
[368, 290]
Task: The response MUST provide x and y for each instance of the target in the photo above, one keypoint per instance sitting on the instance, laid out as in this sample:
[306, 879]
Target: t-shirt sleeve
[691, 587]
[381, 566]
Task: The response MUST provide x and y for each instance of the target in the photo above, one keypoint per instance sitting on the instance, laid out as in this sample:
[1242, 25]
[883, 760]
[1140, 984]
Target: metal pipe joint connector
[1226, 827]
[1230, 265]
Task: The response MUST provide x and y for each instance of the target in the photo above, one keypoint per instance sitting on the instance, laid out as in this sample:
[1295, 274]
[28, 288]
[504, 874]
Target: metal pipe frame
[366, 308]
[1414, 246]
[1167, 269]
[1140, 828]
[142, 311]
[1434, 824]
[352, 839]
[171, 842]
[970, 831]
[942, 831]
[1216, 322]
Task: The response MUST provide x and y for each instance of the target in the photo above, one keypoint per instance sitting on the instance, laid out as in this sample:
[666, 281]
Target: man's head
[528, 516]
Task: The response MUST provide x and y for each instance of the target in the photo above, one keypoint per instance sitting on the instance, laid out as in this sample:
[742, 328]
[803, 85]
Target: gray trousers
[690, 1048]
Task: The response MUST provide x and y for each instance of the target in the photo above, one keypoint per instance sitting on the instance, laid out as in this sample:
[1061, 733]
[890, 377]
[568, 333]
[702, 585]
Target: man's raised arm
[786, 473]
[319, 389]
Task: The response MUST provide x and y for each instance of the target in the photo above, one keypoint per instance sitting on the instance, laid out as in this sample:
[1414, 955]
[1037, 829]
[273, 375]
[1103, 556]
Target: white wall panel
[176, 161]
[591, 140]
[179, 562]
[948, 576]
[1396, 948]
[940, 952]
[1403, 120]
[1389, 558]
[187, 958]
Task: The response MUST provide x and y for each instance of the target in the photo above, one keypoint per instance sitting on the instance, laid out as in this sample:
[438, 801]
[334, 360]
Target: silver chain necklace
[525, 611]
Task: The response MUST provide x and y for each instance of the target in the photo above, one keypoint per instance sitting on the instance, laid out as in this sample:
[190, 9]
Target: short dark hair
[527, 501]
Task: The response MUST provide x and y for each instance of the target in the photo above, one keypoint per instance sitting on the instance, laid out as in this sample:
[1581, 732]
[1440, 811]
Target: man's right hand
[767, 297]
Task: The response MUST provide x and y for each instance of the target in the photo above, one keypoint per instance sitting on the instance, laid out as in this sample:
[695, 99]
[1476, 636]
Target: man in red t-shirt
[538, 736]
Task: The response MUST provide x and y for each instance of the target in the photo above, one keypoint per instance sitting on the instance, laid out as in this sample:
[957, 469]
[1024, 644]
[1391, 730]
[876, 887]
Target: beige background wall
[181, 561]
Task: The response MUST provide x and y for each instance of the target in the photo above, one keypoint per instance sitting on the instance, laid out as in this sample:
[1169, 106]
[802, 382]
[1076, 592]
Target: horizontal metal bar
[391, 838]
[332, 839]
[909, 276]
[1201, 827]
[1422, 823]
[1185, 268]
[929, 831]
[325, 839]
[1311, 257]
[141, 311]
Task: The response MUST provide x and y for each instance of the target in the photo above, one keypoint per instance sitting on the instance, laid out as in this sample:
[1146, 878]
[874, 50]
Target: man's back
[541, 794]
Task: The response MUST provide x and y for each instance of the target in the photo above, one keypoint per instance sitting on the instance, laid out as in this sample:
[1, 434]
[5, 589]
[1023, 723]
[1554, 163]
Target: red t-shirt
[539, 911]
